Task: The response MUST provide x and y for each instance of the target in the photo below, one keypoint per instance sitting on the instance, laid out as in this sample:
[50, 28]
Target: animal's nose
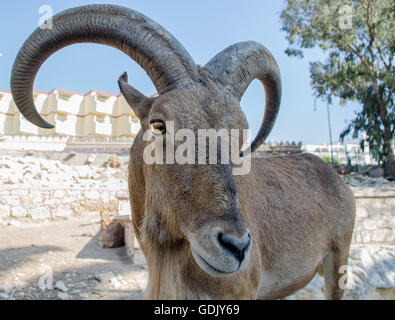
[237, 247]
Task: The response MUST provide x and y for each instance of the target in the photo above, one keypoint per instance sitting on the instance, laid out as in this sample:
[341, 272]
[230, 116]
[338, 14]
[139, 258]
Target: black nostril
[238, 249]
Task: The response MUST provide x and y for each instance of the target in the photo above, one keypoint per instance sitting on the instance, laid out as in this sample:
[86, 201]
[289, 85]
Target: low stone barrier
[46, 204]
[375, 219]
[375, 210]
[40, 189]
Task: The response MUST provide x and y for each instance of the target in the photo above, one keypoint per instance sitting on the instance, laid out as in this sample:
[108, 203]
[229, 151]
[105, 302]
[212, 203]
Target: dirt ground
[63, 260]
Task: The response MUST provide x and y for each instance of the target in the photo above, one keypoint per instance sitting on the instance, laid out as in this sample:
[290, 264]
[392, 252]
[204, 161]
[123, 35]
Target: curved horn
[164, 59]
[237, 66]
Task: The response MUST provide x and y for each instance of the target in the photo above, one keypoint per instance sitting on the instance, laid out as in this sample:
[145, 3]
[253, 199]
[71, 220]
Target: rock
[383, 235]
[112, 236]
[114, 162]
[104, 277]
[115, 282]
[5, 287]
[58, 194]
[18, 212]
[12, 179]
[92, 195]
[81, 285]
[59, 285]
[84, 172]
[365, 236]
[369, 224]
[84, 295]
[362, 212]
[376, 173]
[91, 159]
[4, 296]
[142, 283]
[63, 296]
[139, 258]
[4, 211]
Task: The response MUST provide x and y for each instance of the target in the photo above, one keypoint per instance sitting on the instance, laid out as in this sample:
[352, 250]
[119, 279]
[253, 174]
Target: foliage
[358, 37]
[328, 160]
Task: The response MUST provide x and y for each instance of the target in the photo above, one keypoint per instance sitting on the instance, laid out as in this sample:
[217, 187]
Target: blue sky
[204, 27]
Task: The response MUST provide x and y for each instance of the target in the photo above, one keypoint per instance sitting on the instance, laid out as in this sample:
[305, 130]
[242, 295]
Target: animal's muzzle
[235, 246]
[221, 249]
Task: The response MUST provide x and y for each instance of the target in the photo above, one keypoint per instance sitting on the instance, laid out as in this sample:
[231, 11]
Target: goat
[207, 233]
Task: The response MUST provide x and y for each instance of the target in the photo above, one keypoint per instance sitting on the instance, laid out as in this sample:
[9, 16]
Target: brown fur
[296, 207]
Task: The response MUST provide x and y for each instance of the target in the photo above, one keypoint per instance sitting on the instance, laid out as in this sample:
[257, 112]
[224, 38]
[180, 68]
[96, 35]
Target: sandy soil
[63, 260]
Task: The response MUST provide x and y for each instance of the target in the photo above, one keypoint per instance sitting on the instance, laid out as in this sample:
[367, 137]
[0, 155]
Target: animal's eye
[158, 126]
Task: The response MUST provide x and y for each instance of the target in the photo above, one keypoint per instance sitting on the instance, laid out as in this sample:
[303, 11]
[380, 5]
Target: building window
[102, 98]
[64, 97]
[61, 116]
[99, 118]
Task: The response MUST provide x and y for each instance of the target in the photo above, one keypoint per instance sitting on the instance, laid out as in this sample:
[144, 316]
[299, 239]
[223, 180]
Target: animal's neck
[167, 273]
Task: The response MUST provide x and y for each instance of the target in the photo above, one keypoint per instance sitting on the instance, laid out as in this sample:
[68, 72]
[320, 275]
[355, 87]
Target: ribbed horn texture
[164, 59]
[237, 66]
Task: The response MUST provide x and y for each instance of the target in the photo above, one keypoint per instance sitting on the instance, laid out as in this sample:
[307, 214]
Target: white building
[341, 153]
[73, 114]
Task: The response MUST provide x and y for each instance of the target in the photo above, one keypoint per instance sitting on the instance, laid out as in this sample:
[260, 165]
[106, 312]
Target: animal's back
[298, 209]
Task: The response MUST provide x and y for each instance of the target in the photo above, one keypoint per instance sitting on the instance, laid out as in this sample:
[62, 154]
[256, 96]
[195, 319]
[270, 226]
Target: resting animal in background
[205, 232]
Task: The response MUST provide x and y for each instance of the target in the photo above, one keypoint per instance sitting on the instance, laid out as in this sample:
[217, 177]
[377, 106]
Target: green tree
[358, 37]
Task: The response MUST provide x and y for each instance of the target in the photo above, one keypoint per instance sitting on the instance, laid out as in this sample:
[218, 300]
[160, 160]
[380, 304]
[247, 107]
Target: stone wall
[40, 189]
[375, 221]
[46, 204]
[375, 210]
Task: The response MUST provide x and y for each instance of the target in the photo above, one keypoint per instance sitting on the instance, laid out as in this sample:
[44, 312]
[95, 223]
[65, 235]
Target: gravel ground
[62, 260]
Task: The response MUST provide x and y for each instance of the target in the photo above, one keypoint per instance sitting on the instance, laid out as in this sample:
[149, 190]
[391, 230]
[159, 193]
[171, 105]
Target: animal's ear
[137, 101]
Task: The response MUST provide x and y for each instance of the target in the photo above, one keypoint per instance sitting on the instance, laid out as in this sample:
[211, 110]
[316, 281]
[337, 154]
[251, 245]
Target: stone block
[40, 213]
[59, 194]
[365, 236]
[25, 200]
[381, 224]
[92, 195]
[129, 237]
[18, 212]
[357, 237]
[374, 211]
[124, 207]
[361, 212]
[383, 235]
[369, 224]
[4, 211]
